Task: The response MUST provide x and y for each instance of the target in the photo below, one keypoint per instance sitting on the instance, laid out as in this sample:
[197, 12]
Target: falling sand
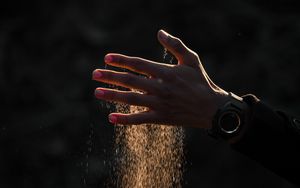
[147, 155]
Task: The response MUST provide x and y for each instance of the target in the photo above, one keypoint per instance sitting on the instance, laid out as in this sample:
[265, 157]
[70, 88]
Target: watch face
[229, 119]
[229, 122]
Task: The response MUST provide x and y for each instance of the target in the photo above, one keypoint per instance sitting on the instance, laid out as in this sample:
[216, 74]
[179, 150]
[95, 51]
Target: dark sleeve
[272, 139]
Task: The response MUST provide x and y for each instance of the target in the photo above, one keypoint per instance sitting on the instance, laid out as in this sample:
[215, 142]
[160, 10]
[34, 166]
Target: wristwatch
[229, 119]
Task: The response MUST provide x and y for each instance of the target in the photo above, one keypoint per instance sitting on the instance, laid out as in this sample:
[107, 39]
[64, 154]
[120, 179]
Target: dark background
[51, 125]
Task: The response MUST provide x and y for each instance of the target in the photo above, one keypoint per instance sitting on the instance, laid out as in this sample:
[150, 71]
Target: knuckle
[169, 75]
[107, 75]
[123, 59]
[177, 44]
[113, 95]
[124, 120]
[193, 56]
[137, 63]
[131, 60]
[129, 79]
[117, 59]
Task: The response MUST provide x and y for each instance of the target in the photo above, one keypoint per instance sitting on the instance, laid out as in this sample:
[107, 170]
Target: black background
[48, 50]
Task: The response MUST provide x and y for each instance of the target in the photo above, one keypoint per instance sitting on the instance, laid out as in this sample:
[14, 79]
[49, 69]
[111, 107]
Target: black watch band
[229, 119]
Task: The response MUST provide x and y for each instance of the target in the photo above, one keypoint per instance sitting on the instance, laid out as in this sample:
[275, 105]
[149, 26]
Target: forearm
[271, 138]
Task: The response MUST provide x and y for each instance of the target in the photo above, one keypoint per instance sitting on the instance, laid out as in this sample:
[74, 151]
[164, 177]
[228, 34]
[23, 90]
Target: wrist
[229, 120]
[220, 98]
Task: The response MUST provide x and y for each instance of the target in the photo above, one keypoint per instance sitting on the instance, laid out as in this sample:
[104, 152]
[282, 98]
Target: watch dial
[229, 122]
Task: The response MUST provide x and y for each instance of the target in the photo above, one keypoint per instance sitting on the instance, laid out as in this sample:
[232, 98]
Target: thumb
[182, 53]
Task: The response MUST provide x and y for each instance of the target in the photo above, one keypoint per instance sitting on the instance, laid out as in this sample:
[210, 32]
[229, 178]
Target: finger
[182, 53]
[134, 119]
[136, 64]
[127, 97]
[126, 79]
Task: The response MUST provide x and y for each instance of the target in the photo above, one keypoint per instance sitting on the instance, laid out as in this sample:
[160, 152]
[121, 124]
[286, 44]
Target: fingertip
[120, 118]
[112, 118]
[108, 58]
[162, 35]
[160, 32]
[97, 74]
[99, 93]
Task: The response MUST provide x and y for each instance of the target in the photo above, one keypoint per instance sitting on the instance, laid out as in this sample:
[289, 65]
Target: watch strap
[236, 107]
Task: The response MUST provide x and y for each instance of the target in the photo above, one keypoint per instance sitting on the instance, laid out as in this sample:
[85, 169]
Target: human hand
[180, 95]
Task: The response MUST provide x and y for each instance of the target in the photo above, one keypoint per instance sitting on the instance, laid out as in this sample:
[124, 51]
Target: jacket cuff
[263, 125]
[271, 138]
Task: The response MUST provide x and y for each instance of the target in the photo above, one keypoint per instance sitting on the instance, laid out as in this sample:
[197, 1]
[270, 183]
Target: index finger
[136, 64]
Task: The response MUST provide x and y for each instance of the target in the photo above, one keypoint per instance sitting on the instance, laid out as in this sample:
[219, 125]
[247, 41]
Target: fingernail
[108, 59]
[112, 119]
[97, 74]
[99, 93]
[163, 35]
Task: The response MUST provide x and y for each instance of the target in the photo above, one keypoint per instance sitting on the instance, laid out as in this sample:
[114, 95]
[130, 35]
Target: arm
[184, 95]
[272, 138]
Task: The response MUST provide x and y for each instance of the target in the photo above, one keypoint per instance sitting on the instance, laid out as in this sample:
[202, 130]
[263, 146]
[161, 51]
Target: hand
[180, 95]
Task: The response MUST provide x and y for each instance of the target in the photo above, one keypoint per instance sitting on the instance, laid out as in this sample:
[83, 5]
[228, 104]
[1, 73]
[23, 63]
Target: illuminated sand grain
[148, 155]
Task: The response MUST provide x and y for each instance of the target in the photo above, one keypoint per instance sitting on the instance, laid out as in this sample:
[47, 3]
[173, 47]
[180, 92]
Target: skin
[178, 95]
